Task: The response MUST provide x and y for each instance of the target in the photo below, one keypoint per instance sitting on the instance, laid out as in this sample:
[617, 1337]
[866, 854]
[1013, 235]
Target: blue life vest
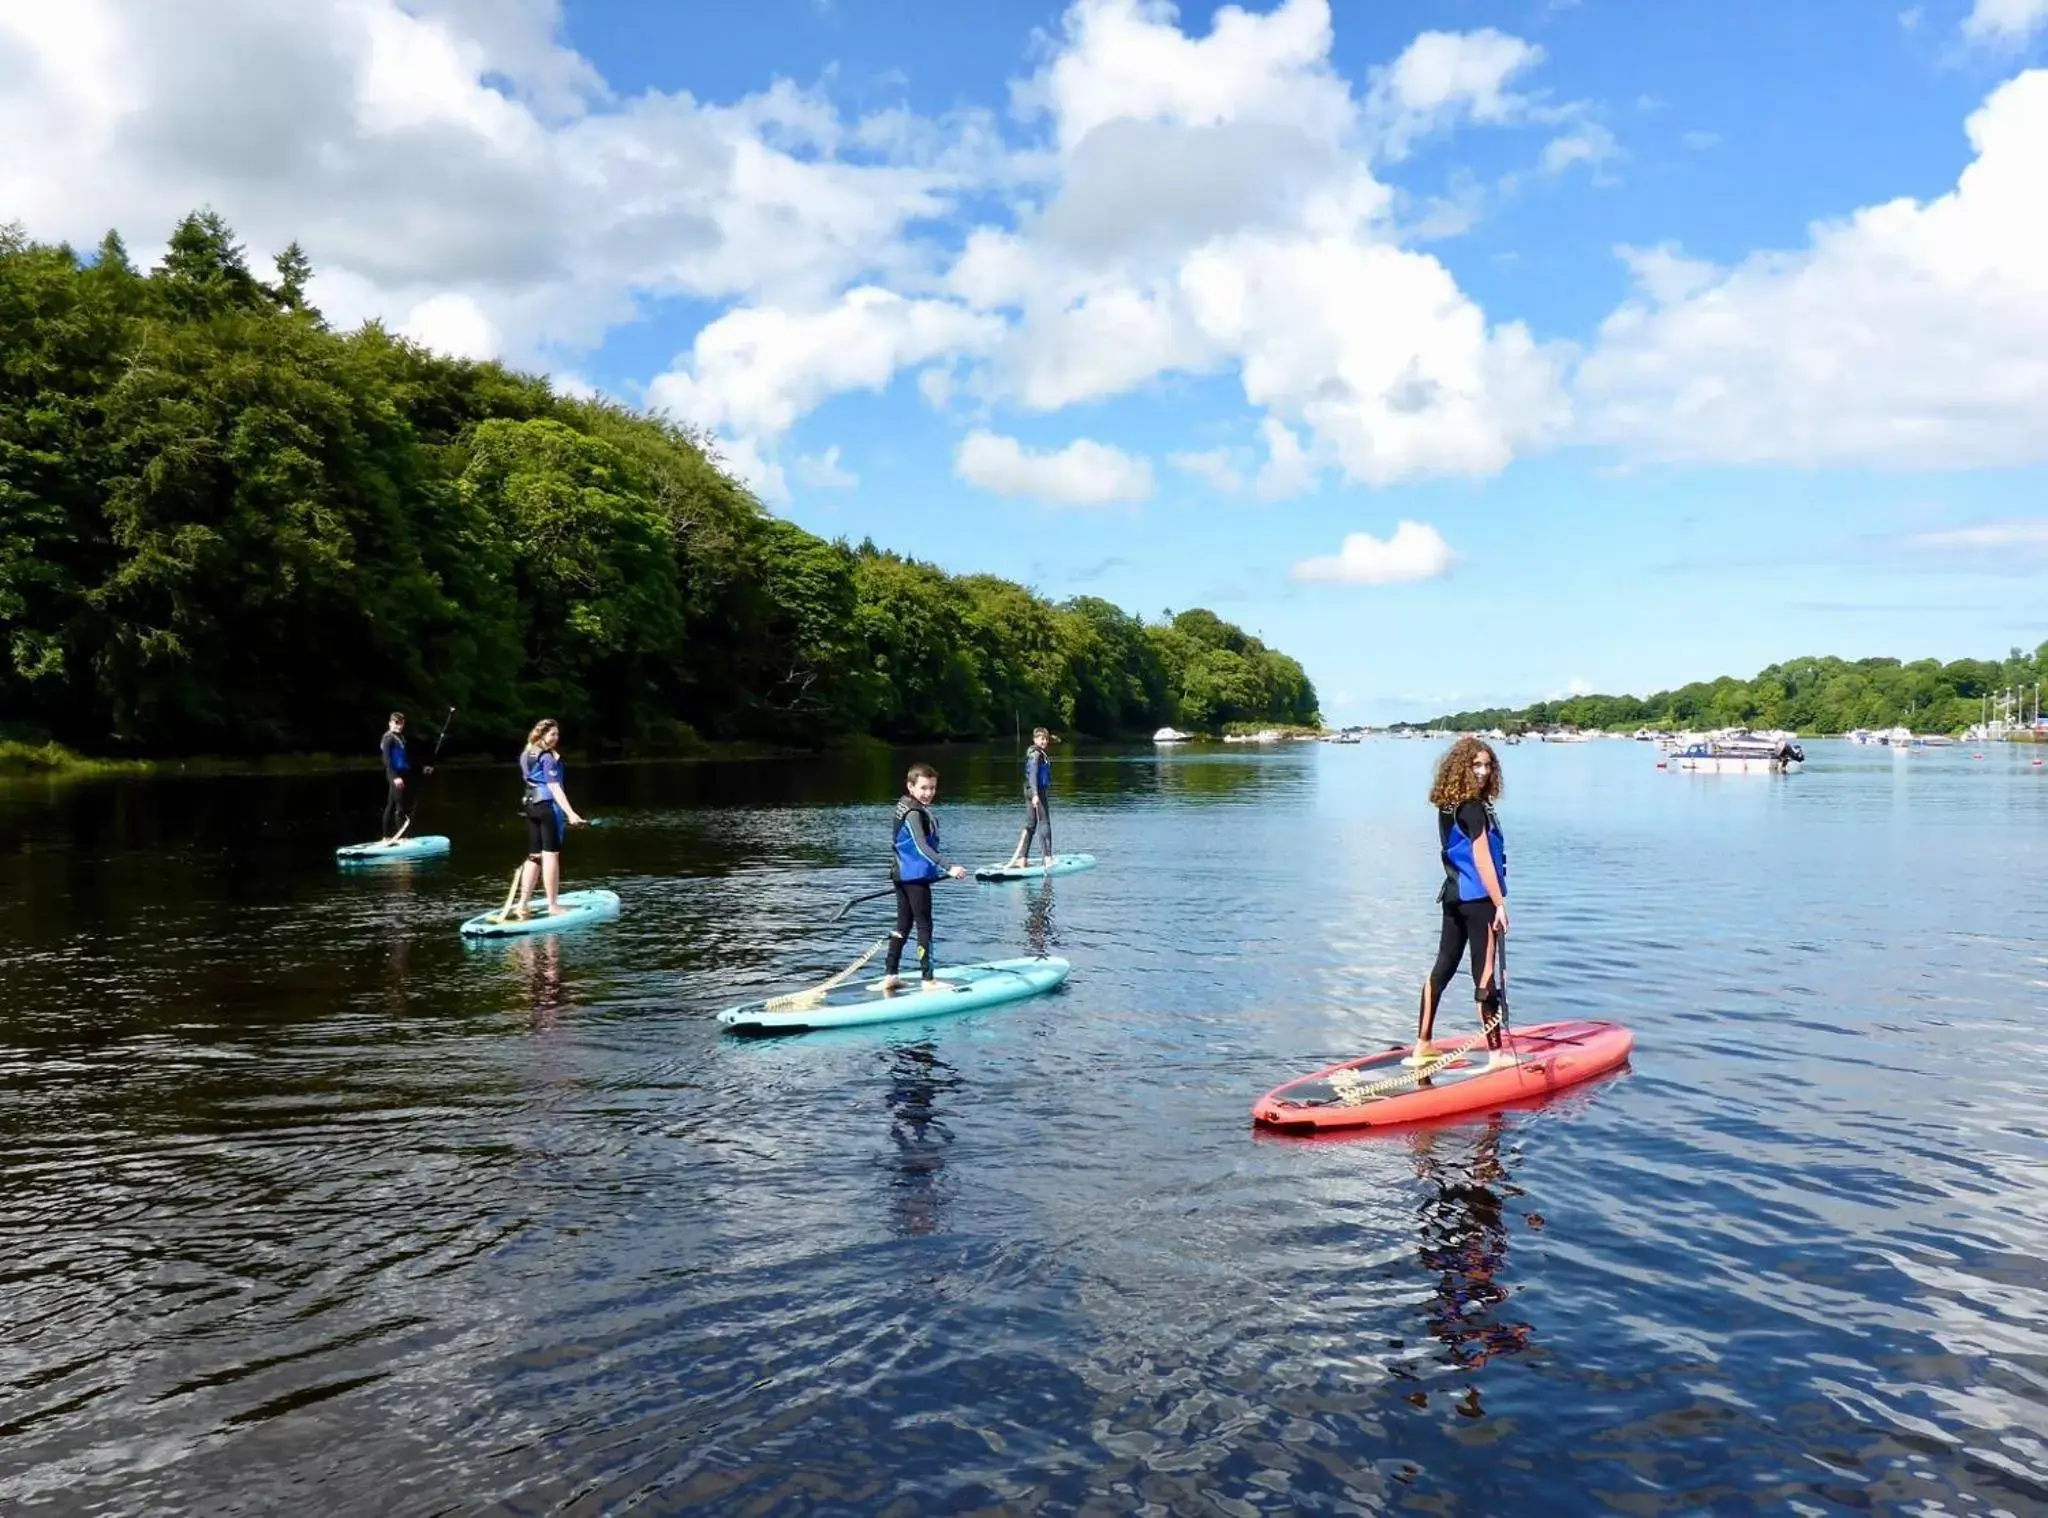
[1460, 870]
[909, 863]
[1037, 772]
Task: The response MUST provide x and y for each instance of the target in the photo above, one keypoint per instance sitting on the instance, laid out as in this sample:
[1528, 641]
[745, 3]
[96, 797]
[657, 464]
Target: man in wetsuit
[398, 800]
[1037, 798]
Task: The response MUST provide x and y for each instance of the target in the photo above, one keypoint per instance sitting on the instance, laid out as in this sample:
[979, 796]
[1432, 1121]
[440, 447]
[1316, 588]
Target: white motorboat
[1170, 735]
[1742, 754]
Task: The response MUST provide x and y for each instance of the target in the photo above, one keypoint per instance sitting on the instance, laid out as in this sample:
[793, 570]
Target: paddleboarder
[397, 770]
[914, 863]
[1037, 797]
[548, 813]
[1474, 895]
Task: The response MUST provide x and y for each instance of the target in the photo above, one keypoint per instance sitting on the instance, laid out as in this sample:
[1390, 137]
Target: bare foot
[930, 984]
[1425, 1051]
[1500, 1059]
[890, 984]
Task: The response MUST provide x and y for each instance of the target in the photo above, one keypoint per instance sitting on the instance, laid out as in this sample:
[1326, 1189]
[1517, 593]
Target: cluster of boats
[1731, 751]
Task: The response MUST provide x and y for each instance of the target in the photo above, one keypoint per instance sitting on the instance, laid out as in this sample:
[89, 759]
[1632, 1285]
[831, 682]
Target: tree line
[225, 526]
[1811, 695]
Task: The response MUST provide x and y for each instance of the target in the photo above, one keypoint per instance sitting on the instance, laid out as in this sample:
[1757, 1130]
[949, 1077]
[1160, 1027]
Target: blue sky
[1681, 339]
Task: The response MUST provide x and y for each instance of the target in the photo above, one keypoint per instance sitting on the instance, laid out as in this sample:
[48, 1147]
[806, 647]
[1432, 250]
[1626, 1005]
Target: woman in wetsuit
[1474, 896]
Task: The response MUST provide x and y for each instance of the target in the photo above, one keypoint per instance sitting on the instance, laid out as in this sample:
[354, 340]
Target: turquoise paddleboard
[577, 908]
[426, 846]
[861, 1004]
[1062, 864]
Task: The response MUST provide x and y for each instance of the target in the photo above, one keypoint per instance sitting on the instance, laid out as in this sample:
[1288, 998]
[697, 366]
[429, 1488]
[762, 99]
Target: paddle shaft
[443, 738]
[874, 896]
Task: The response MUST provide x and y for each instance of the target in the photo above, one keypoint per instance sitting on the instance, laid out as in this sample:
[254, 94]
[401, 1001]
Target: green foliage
[225, 527]
[1810, 695]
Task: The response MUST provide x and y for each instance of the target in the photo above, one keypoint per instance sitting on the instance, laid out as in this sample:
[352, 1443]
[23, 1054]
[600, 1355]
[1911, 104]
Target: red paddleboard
[1552, 1056]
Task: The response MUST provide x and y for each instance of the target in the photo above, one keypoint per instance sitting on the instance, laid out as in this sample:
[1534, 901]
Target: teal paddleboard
[426, 846]
[1062, 864]
[575, 909]
[862, 1004]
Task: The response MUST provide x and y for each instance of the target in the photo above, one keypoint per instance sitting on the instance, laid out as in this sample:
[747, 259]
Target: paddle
[876, 896]
[443, 738]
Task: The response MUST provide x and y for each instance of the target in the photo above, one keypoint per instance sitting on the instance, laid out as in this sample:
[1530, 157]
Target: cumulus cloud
[1444, 78]
[1416, 551]
[1084, 473]
[440, 148]
[2005, 21]
[756, 369]
[1190, 203]
[1910, 334]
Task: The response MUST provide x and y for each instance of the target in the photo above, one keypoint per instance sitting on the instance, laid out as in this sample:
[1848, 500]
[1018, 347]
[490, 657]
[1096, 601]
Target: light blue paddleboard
[575, 910]
[426, 846]
[962, 989]
[1062, 864]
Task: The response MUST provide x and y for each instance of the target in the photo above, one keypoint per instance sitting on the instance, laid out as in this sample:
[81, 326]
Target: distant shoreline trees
[1809, 695]
[226, 527]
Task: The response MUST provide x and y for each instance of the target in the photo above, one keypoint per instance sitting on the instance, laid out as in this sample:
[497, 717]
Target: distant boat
[1170, 735]
[1742, 753]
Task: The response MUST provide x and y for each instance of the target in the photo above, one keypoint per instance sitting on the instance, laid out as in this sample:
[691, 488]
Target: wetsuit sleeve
[922, 841]
[1031, 774]
[386, 747]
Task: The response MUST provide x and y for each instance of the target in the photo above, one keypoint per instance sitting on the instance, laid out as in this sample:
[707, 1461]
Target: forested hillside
[1814, 695]
[224, 526]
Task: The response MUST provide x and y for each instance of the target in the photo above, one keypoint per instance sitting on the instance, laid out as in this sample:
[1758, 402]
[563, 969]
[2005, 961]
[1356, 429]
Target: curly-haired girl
[1475, 889]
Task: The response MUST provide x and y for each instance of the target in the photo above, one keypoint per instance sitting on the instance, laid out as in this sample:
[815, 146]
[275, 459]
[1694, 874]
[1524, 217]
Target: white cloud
[753, 468]
[1445, 78]
[429, 148]
[452, 324]
[823, 471]
[1216, 465]
[1193, 204]
[1416, 551]
[1588, 142]
[2005, 21]
[1699, 142]
[1084, 473]
[1910, 334]
[756, 369]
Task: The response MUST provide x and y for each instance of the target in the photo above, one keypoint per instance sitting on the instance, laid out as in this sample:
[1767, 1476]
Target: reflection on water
[1465, 1242]
[304, 1194]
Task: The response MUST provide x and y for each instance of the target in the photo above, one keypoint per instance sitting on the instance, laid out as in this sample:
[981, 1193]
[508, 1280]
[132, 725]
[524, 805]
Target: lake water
[308, 1205]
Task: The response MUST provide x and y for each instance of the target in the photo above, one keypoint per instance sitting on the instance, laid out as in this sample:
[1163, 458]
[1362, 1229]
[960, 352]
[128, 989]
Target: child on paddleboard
[1037, 797]
[1474, 894]
[548, 812]
[914, 863]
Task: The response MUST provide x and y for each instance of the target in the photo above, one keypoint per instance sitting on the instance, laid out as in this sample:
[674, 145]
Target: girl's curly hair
[1456, 784]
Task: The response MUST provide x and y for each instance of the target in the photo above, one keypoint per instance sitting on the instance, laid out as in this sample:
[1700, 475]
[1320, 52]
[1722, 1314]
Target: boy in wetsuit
[914, 863]
[1037, 798]
[397, 770]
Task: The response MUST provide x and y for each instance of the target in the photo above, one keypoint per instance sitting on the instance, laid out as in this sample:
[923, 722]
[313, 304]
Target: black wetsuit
[397, 797]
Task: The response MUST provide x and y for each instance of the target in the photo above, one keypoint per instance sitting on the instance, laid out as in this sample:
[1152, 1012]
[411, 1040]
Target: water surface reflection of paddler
[917, 1128]
[1465, 1242]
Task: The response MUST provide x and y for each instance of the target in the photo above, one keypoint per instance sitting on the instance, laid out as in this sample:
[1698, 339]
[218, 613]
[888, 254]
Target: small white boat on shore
[1170, 735]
